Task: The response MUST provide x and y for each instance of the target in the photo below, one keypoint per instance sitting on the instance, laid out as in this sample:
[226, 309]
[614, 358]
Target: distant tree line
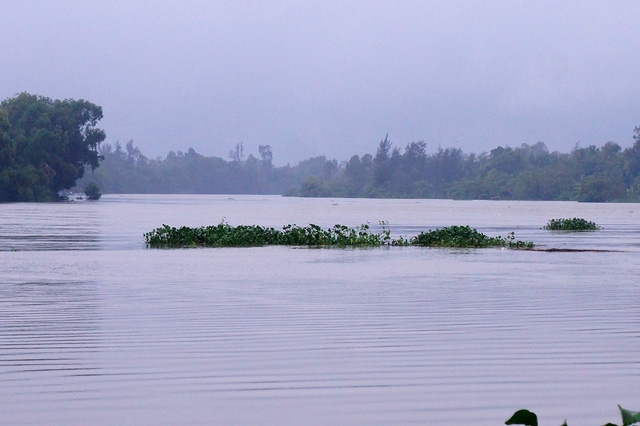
[125, 169]
[527, 172]
[45, 145]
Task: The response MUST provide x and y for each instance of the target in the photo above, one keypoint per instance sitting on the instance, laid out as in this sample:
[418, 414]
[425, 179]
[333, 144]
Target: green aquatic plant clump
[574, 224]
[338, 235]
[225, 235]
[463, 237]
[220, 235]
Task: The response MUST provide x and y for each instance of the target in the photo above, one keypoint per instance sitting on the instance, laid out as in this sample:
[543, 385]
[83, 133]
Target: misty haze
[276, 212]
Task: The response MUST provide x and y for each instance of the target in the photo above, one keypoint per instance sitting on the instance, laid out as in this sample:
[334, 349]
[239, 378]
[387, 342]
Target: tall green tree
[7, 149]
[49, 144]
[359, 173]
[381, 169]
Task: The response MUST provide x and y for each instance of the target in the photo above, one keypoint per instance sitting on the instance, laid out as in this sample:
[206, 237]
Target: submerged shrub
[92, 191]
[225, 235]
[574, 224]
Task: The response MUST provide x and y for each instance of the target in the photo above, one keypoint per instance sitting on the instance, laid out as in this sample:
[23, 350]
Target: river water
[95, 328]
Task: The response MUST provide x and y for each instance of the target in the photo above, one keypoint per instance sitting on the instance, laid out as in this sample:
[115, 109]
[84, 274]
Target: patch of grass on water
[225, 235]
[574, 224]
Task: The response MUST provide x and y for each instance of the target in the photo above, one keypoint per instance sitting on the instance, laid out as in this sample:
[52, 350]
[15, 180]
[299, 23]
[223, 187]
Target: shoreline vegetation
[526, 172]
[48, 146]
[225, 235]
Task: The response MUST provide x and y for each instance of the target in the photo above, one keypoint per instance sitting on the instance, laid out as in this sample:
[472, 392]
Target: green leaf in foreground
[523, 417]
[529, 418]
[629, 417]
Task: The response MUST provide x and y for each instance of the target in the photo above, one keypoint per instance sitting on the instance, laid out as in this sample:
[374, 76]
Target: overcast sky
[333, 77]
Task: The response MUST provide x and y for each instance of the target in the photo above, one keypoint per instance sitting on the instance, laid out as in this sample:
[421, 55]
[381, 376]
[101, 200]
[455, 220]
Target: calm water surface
[97, 329]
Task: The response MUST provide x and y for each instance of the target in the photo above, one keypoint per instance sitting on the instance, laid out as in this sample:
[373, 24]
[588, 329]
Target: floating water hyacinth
[225, 235]
[465, 236]
[574, 224]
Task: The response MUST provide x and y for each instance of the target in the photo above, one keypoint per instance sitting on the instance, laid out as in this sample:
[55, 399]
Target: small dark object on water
[569, 250]
[523, 417]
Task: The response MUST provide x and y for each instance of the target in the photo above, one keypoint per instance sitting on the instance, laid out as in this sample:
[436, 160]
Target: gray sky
[333, 77]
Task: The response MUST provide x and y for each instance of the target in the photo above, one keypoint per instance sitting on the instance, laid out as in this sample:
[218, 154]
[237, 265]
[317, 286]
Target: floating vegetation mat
[225, 235]
[574, 224]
